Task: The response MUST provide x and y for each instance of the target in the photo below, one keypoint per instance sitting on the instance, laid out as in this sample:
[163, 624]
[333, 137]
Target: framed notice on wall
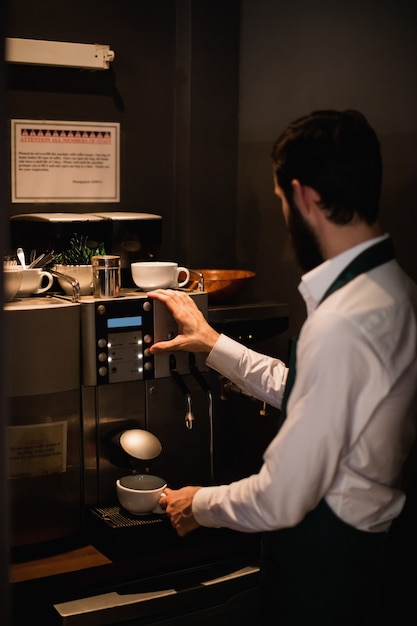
[58, 161]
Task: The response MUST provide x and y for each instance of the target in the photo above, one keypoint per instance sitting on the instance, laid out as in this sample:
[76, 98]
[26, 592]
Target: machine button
[148, 366]
[147, 339]
[102, 343]
[147, 306]
[102, 371]
[101, 309]
[147, 352]
[102, 357]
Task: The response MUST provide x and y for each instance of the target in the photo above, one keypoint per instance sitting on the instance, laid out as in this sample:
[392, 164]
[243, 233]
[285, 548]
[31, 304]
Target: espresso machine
[125, 388]
[89, 380]
[117, 385]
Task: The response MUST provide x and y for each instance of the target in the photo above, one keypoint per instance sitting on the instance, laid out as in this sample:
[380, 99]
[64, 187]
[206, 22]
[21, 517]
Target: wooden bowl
[222, 285]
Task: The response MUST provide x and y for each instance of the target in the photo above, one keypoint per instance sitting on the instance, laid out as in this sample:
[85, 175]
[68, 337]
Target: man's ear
[305, 197]
[299, 195]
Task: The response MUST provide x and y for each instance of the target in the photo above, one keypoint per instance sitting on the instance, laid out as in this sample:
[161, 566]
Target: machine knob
[147, 339]
[102, 343]
[101, 309]
[147, 306]
[147, 352]
[172, 334]
[102, 357]
[148, 366]
[102, 371]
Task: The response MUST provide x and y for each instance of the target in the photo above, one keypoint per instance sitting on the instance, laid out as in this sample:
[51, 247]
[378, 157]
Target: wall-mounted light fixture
[58, 53]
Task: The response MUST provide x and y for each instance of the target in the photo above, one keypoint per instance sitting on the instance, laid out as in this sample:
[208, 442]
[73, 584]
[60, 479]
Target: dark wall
[299, 56]
[206, 125]
[137, 91]
[172, 87]
[5, 594]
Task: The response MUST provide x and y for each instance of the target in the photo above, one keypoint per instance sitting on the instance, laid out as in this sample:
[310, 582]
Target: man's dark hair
[337, 153]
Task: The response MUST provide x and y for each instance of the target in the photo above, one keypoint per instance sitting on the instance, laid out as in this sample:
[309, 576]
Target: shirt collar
[314, 284]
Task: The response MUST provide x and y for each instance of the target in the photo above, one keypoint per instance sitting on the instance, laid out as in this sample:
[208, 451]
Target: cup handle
[186, 271]
[158, 509]
[50, 280]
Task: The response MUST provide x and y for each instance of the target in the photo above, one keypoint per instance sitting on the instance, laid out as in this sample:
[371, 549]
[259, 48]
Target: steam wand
[206, 387]
[189, 417]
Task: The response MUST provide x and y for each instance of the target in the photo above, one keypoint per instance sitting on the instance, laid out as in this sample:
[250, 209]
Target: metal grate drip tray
[116, 517]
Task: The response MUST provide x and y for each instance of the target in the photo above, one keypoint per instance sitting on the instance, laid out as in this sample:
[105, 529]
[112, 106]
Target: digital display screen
[124, 322]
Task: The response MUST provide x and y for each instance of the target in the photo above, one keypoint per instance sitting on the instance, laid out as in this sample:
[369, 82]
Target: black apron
[324, 571]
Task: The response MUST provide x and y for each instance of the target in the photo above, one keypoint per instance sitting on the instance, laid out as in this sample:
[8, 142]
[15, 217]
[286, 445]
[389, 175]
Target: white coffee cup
[149, 275]
[12, 278]
[139, 493]
[34, 281]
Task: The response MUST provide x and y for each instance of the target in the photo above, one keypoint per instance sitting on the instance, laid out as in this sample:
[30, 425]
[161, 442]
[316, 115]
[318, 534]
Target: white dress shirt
[351, 415]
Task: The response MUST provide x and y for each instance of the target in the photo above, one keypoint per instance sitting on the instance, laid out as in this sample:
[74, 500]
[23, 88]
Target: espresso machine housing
[125, 387]
[44, 434]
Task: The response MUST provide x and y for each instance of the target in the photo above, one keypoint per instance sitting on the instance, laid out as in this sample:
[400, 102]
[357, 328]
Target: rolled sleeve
[260, 376]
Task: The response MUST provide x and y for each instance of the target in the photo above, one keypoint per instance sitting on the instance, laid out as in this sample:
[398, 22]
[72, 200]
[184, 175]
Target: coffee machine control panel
[117, 334]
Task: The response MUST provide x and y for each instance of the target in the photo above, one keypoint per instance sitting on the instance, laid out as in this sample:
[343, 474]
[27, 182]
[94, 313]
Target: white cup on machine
[149, 275]
[34, 281]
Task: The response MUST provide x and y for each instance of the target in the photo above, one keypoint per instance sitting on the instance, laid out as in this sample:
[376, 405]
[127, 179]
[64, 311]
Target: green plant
[80, 251]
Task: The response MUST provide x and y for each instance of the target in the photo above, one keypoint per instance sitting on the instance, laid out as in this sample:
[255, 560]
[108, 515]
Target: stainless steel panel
[43, 346]
[106, 410]
[44, 434]
[185, 458]
[166, 328]
[45, 470]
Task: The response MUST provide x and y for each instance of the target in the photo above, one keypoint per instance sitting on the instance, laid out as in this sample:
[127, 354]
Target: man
[331, 481]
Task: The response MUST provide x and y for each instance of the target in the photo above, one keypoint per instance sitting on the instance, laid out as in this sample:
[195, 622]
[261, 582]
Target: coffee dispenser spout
[72, 281]
[207, 389]
[189, 417]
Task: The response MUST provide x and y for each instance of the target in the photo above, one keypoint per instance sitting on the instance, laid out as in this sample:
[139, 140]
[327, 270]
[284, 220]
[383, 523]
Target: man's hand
[178, 506]
[194, 332]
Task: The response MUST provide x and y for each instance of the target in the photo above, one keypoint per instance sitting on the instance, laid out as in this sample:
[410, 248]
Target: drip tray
[153, 544]
[115, 517]
[117, 533]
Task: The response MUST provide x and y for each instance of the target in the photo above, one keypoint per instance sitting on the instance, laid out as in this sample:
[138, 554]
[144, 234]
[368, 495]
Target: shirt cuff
[200, 507]
[225, 354]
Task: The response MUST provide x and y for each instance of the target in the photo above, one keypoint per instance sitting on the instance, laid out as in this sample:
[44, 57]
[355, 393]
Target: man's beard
[304, 241]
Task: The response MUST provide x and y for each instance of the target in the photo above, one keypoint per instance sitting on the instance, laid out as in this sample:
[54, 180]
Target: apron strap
[370, 258]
